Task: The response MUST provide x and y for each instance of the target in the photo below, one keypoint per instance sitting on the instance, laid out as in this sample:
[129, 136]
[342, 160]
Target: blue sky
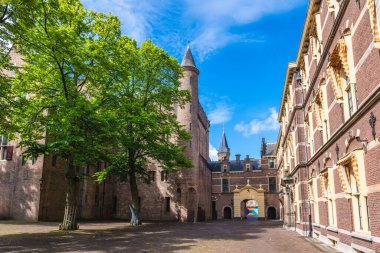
[241, 48]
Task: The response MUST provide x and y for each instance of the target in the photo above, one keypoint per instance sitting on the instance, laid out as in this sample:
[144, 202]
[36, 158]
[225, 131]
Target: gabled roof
[188, 59]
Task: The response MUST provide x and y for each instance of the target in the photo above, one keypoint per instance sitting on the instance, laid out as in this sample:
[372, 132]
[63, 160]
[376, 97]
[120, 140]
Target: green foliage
[58, 89]
[144, 91]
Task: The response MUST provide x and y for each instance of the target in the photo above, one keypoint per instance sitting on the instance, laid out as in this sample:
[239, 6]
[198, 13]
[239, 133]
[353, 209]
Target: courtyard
[220, 236]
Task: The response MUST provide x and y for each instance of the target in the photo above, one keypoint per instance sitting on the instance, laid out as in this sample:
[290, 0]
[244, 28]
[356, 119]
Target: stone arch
[271, 213]
[227, 212]
[246, 195]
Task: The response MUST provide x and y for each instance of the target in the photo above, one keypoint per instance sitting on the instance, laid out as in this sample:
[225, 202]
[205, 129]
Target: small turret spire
[224, 150]
[188, 59]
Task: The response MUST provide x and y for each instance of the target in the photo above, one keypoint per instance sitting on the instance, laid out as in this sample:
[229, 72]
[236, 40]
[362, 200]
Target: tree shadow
[153, 237]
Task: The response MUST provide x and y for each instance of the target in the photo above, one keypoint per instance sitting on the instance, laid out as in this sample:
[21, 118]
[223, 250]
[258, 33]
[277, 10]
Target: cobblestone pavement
[221, 236]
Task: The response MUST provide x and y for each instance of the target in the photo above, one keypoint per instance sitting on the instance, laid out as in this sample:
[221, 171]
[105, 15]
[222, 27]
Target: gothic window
[225, 185]
[3, 147]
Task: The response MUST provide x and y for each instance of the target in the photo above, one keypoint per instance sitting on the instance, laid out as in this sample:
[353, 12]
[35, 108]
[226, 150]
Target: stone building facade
[328, 151]
[35, 189]
[237, 182]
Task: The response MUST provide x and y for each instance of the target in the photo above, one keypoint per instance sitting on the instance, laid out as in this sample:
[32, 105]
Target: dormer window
[247, 167]
[225, 168]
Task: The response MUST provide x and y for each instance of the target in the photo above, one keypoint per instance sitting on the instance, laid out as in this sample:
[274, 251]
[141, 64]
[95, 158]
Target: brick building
[35, 189]
[328, 151]
[236, 183]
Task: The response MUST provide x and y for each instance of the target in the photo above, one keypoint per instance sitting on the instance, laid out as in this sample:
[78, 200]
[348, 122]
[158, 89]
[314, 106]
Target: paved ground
[221, 236]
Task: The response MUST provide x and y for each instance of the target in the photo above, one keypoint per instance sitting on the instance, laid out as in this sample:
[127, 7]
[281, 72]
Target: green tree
[145, 93]
[58, 89]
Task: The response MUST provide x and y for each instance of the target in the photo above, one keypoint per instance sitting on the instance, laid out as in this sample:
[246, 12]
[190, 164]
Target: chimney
[237, 157]
[247, 157]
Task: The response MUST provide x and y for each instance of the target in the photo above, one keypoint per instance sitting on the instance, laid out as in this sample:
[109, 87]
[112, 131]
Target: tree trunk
[135, 207]
[71, 207]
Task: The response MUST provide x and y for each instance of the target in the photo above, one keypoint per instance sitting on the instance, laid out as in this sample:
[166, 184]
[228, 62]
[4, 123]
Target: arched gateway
[249, 202]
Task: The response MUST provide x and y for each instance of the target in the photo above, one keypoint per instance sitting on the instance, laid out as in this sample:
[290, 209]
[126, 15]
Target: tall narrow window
[225, 185]
[190, 107]
[3, 147]
[326, 130]
[350, 103]
[190, 126]
[167, 204]
[272, 184]
[152, 176]
[271, 163]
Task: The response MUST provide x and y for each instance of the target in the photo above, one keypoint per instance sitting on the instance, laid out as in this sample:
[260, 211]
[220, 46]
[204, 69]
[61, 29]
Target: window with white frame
[352, 177]
[341, 75]
[247, 166]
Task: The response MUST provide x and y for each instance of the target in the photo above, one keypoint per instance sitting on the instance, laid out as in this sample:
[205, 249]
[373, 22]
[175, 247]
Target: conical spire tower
[224, 150]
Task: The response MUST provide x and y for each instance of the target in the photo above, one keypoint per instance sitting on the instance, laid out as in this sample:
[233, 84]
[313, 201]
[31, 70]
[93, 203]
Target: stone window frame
[321, 111]
[228, 184]
[269, 184]
[352, 177]
[341, 73]
[314, 182]
[3, 147]
[247, 167]
[328, 192]
[374, 15]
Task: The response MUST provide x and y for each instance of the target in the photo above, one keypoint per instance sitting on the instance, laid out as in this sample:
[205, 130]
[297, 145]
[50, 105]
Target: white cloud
[220, 113]
[257, 126]
[136, 17]
[208, 24]
[214, 20]
[213, 153]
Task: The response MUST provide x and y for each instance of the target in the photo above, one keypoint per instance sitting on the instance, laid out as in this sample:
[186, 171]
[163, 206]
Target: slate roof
[235, 165]
[188, 59]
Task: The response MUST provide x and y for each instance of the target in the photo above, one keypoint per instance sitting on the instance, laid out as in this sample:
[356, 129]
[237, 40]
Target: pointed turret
[188, 59]
[224, 150]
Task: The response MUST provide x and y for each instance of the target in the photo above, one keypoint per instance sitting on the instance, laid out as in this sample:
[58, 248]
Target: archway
[249, 202]
[271, 213]
[227, 212]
